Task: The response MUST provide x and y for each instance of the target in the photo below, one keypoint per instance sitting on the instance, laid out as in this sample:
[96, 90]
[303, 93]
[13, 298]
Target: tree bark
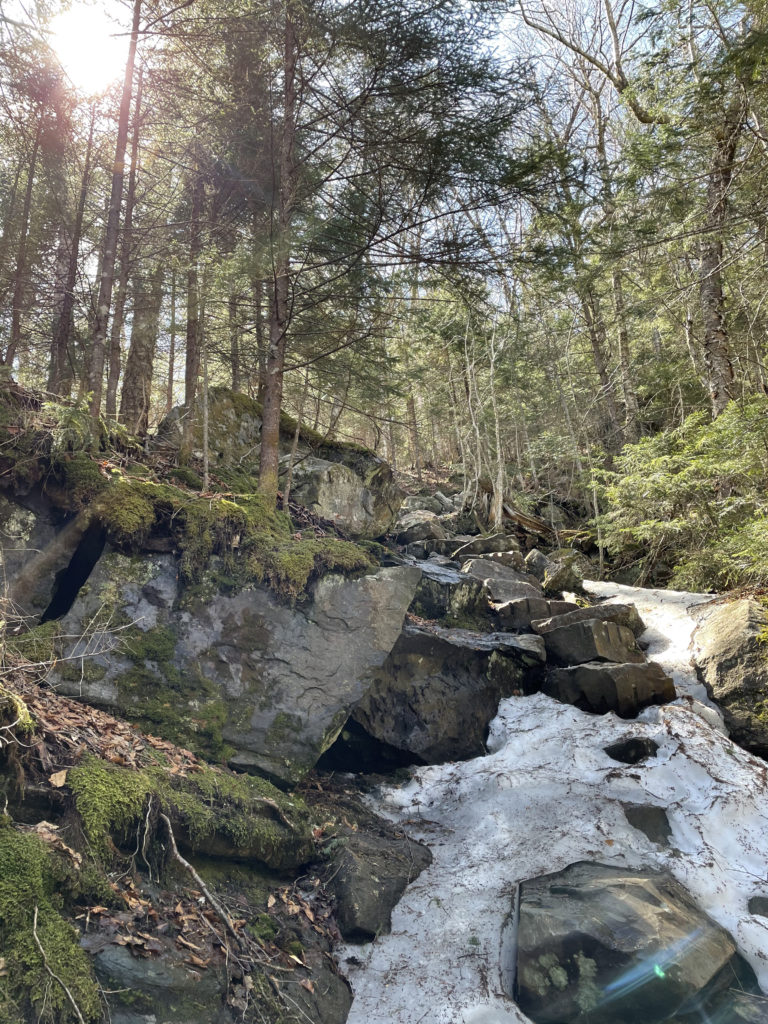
[20, 274]
[631, 405]
[109, 253]
[279, 318]
[126, 252]
[596, 330]
[172, 347]
[137, 382]
[192, 366]
[234, 341]
[717, 349]
[61, 368]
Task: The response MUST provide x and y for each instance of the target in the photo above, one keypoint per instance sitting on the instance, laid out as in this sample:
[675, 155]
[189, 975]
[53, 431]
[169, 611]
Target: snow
[547, 795]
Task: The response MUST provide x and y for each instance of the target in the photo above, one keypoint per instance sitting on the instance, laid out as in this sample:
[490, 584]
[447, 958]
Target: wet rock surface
[591, 640]
[622, 614]
[599, 944]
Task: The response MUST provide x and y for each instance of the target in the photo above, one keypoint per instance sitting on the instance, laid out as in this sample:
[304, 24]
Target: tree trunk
[126, 251]
[631, 405]
[717, 349]
[172, 347]
[192, 366]
[234, 341]
[107, 269]
[61, 368]
[20, 274]
[279, 318]
[137, 382]
[596, 332]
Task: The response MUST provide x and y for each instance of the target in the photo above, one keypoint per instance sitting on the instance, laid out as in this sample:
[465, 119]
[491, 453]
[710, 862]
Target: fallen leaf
[196, 961]
[307, 984]
[184, 942]
[271, 901]
[58, 779]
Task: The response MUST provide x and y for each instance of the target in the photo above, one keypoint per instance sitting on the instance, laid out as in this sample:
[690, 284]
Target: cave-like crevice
[69, 580]
[356, 750]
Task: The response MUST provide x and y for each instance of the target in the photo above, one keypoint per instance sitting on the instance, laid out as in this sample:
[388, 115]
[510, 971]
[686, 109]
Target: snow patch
[547, 795]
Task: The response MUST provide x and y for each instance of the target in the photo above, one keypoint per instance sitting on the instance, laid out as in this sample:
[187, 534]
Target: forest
[522, 243]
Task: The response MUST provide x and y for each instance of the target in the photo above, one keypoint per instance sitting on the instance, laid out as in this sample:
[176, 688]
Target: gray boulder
[537, 564]
[591, 640]
[443, 592]
[423, 502]
[523, 612]
[239, 671]
[436, 694]
[600, 687]
[368, 875]
[362, 509]
[501, 582]
[622, 614]
[599, 944]
[419, 525]
[497, 542]
[732, 658]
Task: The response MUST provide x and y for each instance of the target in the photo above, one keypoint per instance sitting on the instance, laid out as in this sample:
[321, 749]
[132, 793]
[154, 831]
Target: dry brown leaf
[58, 779]
[271, 901]
[196, 961]
[186, 943]
[307, 984]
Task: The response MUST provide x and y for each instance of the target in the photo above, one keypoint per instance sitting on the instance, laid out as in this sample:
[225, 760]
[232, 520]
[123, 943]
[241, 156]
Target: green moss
[108, 800]
[13, 711]
[237, 815]
[80, 669]
[186, 477]
[31, 877]
[38, 645]
[81, 478]
[127, 510]
[156, 644]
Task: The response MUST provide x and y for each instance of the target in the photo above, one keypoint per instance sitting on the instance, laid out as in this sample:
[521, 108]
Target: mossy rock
[33, 879]
[214, 813]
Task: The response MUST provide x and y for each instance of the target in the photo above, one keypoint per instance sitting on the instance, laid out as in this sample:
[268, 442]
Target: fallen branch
[55, 977]
[223, 915]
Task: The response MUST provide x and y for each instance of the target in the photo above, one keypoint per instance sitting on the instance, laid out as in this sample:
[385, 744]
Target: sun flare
[90, 46]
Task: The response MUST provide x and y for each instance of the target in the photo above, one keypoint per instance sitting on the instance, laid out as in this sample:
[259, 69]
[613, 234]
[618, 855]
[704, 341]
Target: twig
[223, 915]
[55, 977]
[276, 809]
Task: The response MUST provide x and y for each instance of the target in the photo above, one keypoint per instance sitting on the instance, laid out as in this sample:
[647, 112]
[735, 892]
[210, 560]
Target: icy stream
[547, 795]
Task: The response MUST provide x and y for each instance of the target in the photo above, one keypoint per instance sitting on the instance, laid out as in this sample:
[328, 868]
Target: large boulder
[360, 495]
[591, 640]
[600, 687]
[419, 525]
[368, 875]
[361, 508]
[435, 695]
[622, 614]
[599, 944]
[502, 582]
[731, 655]
[445, 593]
[264, 684]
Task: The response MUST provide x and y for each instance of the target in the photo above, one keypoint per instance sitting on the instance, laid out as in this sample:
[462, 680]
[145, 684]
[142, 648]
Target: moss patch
[32, 877]
[218, 813]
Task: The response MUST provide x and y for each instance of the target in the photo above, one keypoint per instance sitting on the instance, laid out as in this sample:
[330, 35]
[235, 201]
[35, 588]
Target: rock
[446, 504]
[651, 820]
[758, 905]
[591, 640]
[732, 658]
[273, 682]
[523, 612]
[362, 509]
[632, 750]
[497, 542]
[161, 990]
[562, 575]
[600, 687]
[436, 694]
[622, 614]
[520, 612]
[732, 1007]
[443, 592]
[599, 944]
[417, 550]
[422, 502]
[418, 526]
[502, 583]
[537, 564]
[369, 874]
[512, 559]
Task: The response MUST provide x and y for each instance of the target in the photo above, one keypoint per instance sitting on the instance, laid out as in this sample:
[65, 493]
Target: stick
[225, 918]
[55, 977]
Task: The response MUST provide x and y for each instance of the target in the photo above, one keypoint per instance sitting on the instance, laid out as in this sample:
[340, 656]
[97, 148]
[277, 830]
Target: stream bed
[547, 795]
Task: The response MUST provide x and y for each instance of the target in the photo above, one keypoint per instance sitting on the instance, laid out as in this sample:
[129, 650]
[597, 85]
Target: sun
[91, 47]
